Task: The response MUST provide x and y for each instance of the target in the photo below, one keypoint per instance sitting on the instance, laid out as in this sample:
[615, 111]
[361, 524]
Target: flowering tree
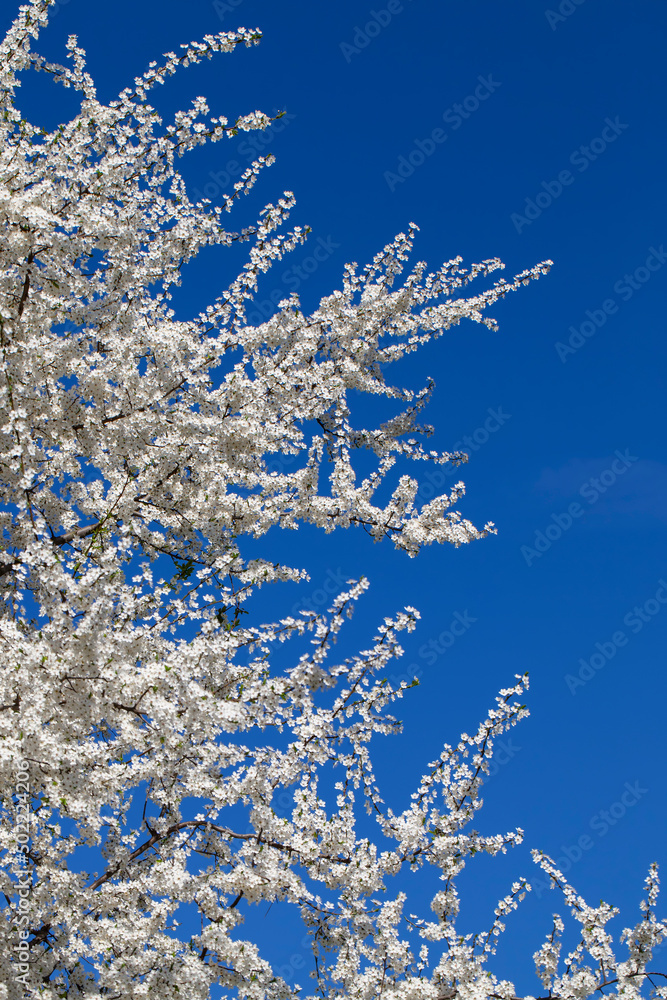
[139, 711]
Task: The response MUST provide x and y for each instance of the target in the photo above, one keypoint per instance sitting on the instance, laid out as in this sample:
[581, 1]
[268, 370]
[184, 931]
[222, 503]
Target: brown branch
[65, 539]
[144, 409]
[611, 982]
[40, 935]
[26, 286]
[194, 823]
[129, 708]
[70, 536]
[8, 567]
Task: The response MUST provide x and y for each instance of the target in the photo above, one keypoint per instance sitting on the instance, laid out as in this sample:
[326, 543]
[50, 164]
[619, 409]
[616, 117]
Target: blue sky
[523, 133]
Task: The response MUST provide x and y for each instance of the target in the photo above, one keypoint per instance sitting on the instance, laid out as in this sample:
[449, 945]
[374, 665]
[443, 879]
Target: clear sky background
[582, 93]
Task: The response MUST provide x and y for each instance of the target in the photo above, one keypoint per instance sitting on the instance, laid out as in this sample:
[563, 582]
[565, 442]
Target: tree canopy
[141, 712]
